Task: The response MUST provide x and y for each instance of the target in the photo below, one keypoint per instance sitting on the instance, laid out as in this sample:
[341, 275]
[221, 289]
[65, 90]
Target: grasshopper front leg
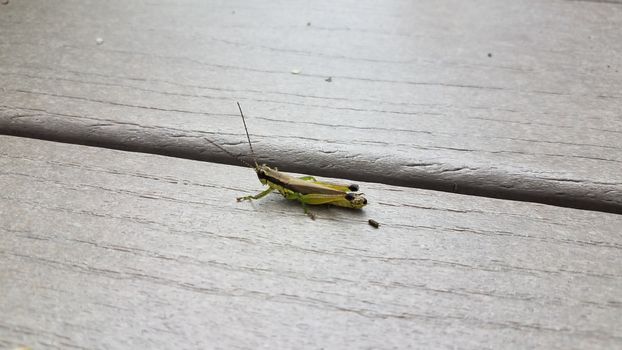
[257, 196]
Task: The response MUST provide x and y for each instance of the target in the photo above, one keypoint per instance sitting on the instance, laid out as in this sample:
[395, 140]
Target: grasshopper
[306, 190]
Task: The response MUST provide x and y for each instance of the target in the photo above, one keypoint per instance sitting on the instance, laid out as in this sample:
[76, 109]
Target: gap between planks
[569, 194]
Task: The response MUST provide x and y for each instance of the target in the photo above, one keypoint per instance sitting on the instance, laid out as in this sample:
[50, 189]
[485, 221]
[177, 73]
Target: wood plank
[414, 99]
[116, 250]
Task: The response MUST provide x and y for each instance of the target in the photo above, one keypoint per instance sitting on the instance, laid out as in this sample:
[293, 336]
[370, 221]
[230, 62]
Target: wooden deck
[109, 249]
[512, 105]
[538, 120]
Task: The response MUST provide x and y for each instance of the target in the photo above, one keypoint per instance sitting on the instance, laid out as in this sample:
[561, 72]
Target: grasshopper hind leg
[339, 187]
[308, 178]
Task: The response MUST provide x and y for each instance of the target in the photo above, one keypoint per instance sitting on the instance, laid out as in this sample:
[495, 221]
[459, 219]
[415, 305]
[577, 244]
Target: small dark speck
[233, 12]
[308, 24]
[329, 79]
[374, 223]
[608, 66]
[4, 2]
[489, 54]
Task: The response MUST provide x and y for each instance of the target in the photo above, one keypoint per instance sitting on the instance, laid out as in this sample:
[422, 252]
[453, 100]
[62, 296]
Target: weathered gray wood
[414, 99]
[116, 250]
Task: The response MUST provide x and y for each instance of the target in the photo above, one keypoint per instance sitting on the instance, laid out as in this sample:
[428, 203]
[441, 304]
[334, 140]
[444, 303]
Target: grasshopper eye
[353, 187]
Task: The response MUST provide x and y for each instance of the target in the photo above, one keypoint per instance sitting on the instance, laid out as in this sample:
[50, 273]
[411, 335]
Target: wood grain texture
[116, 250]
[414, 99]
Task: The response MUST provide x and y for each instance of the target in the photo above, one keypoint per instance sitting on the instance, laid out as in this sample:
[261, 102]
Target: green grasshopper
[306, 190]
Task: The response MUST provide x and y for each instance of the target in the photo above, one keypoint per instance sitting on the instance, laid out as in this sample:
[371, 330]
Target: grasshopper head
[262, 172]
[356, 200]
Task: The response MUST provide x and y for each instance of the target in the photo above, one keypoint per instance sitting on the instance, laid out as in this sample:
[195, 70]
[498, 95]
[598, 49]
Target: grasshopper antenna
[229, 153]
[247, 136]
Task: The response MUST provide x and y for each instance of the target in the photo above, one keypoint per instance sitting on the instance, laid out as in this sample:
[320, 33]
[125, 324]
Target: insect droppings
[374, 223]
